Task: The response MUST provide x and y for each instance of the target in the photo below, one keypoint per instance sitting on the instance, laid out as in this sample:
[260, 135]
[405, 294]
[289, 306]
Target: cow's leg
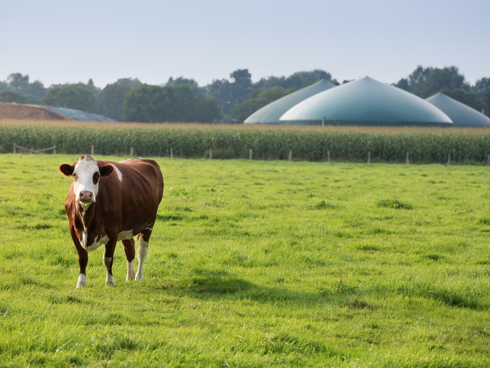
[130, 253]
[108, 260]
[143, 240]
[82, 260]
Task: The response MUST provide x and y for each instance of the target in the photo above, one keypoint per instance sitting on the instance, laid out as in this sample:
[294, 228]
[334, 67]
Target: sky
[57, 41]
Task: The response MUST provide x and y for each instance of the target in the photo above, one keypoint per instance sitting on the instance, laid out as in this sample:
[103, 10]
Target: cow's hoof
[82, 281]
[110, 281]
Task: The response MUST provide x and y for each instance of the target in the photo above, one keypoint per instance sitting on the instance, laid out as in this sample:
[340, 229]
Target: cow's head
[86, 174]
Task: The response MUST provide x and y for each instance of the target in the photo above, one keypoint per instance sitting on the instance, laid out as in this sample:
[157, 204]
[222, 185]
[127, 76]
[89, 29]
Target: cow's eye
[74, 176]
[96, 177]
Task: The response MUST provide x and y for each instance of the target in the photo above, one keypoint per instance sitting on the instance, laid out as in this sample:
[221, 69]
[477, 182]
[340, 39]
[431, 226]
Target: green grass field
[256, 264]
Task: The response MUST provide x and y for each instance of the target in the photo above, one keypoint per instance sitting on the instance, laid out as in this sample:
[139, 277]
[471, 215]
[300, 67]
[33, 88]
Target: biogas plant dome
[271, 113]
[365, 102]
[461, 114]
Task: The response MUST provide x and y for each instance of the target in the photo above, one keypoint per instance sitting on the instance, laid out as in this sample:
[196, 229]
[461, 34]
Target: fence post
[131, 152]
[290, 155]
[210, 153]
[407, 160]
[488, 160]
[369, 157]
[171, 153]
[328, 156]
[92, 150]
[15, 148]
[250, 154]
[54, 150]
[448, 159]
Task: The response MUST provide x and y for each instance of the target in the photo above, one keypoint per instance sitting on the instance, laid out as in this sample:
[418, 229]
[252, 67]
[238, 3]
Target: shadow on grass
[219, 284]
[209, 285]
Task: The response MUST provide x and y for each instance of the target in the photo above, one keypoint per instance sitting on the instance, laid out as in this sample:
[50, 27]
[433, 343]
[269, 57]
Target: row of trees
[126, 100]
[180, 100]
[226, 100]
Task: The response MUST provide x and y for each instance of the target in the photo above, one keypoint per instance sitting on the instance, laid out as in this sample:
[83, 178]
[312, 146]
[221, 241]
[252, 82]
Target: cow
[111, 201]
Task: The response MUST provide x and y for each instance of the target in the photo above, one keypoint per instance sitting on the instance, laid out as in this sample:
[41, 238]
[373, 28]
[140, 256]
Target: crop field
[298, 143]
[256, 264]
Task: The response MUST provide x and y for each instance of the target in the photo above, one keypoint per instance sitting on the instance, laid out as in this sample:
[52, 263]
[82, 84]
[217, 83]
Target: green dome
[270, 114]
[365, 102]
[461, 114]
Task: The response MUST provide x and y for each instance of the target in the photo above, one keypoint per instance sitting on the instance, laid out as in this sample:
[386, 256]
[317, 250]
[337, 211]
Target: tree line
[226, 100]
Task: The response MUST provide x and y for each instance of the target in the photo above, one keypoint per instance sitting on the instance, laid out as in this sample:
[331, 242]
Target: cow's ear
[67, 169]
[106, 170]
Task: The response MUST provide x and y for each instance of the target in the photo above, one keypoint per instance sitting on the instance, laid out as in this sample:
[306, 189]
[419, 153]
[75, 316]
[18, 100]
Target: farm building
[271, 113]
[365, 102]
[461, 114]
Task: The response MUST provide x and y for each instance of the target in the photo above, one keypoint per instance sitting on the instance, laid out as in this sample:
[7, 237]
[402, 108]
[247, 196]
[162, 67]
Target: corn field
[356, 144]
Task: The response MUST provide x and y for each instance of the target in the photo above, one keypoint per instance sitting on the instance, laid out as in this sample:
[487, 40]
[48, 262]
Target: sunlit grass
[256, 264]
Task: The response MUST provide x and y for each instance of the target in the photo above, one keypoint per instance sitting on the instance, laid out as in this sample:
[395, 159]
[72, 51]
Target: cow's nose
[86, 196]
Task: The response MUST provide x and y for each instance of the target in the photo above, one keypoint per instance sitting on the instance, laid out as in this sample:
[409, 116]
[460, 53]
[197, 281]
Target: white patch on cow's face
[86, 179]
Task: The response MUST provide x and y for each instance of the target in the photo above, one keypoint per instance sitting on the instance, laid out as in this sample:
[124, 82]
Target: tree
[221, 91]
[191, 108]
[296, 81]
[144, 104]
[168, 104]
[209, 111]
[131, 82]
[35, 91]
[274, 93]
[71, 96]
[111, 99]
[482, 91]
[425, 82]
[302, 79]
[403, 84]
[4, 86]
[481, 85]
[12, 96]
[241, 112]
[191, 83]
[485, 99]
[18, 82]
[439, 79]
[269, 82]
[231, 93]
[241, 85]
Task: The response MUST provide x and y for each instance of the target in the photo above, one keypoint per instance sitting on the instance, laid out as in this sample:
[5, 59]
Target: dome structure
[462, 115]
[365, 102]
[270, 113]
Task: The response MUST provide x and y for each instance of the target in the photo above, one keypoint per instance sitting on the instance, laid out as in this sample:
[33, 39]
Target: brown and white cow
[111, 201]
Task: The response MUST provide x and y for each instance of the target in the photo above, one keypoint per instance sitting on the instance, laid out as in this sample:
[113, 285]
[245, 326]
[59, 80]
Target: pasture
[256, 264]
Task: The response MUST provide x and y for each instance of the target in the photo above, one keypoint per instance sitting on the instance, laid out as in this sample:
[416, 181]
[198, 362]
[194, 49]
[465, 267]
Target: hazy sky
[68, 42]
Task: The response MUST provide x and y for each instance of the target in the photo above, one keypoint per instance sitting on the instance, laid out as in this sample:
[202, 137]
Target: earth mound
[29, 112]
